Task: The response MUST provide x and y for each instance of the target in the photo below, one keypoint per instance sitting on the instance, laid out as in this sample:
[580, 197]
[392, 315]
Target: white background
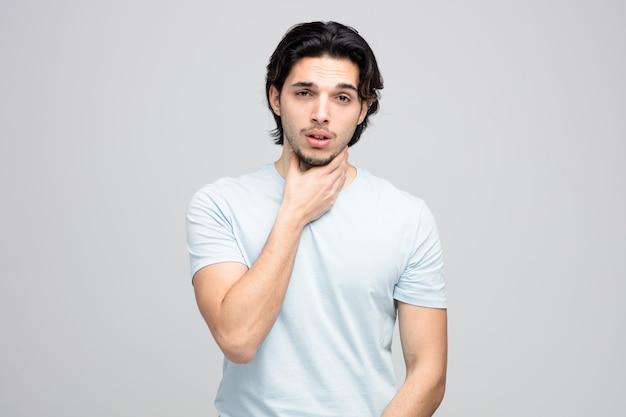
[507, 117]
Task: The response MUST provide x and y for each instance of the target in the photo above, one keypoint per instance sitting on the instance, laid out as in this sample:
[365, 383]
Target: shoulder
[386, 192]
[396, 208]
[262, 180]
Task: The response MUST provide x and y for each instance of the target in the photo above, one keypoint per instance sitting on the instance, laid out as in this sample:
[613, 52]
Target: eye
[344, 98]
[302, 93]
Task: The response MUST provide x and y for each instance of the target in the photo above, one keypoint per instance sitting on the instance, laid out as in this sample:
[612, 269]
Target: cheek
[294, 113]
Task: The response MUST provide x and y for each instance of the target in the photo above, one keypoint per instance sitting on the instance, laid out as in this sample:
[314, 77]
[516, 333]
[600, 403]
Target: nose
[320, 111]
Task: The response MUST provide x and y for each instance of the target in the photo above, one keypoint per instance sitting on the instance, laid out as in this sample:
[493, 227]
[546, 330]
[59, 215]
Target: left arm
[424, 339]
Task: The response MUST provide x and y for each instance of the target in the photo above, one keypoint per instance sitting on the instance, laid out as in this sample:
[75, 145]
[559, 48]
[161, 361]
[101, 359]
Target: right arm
[240, 305]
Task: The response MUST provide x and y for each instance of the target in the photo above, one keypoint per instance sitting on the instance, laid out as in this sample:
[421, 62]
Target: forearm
[420, 395]
[240, 305]
[423, 334]
[250, 307]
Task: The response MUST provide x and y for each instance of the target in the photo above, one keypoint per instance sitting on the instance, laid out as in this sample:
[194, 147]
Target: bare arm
[423, 334]
[239, 304]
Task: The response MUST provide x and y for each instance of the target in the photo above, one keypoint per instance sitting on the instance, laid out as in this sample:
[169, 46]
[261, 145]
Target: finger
[294, 161]
[340, 161]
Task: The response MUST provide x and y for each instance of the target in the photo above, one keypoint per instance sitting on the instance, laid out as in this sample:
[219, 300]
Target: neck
[282, 166]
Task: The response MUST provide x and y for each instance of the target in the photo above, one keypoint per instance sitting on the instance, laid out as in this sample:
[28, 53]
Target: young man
[300, 268]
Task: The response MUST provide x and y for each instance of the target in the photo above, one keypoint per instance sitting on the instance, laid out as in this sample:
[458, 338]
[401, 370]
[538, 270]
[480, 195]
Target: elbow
[430, 386]
[439, 391]
[237, 349]
[237, 343]
[239, 356]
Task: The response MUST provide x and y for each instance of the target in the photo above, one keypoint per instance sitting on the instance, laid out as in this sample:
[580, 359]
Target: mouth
[318, 138]
[318, 134]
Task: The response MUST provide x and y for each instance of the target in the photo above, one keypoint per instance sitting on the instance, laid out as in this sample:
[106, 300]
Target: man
[300, 268]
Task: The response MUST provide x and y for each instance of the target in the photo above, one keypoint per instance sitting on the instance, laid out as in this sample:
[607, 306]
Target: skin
[424, 339]
[319, 97]
[240, 305]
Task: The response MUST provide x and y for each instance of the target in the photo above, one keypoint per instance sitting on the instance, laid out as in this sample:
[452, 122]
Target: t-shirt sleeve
[422, 282]
[210, 236]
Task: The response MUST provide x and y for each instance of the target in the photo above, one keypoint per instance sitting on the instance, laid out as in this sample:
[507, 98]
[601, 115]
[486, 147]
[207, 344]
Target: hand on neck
[282, 165]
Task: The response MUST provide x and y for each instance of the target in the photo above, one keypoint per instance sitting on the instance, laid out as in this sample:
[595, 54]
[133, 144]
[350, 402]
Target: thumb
[294, 161]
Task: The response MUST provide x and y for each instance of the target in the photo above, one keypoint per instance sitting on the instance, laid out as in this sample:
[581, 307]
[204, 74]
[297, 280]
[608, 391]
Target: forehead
[324, 70]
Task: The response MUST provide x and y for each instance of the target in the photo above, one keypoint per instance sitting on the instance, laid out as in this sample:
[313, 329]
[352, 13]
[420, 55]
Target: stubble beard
[308, 161]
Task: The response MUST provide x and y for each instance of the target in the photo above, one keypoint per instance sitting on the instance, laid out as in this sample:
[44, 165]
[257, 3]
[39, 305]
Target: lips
[318, 138]
[318, 134]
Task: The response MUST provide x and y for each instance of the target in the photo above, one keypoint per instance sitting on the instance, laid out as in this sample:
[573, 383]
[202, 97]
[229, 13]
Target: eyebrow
[340, 86]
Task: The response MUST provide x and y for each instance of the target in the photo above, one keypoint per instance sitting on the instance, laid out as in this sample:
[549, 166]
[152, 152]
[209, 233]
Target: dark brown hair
[316, 39]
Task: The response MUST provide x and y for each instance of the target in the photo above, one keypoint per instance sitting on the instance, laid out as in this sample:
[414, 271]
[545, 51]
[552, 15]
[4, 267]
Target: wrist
[291, 219]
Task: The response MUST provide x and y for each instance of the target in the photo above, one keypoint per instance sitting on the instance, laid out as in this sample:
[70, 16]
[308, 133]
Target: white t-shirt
[329, 351]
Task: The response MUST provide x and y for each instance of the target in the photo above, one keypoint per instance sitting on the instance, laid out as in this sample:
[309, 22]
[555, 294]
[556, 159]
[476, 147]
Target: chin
[311, 159]
[315, 162]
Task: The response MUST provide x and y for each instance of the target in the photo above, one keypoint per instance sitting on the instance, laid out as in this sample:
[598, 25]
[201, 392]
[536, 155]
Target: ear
[274, 98]
[365, 105]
